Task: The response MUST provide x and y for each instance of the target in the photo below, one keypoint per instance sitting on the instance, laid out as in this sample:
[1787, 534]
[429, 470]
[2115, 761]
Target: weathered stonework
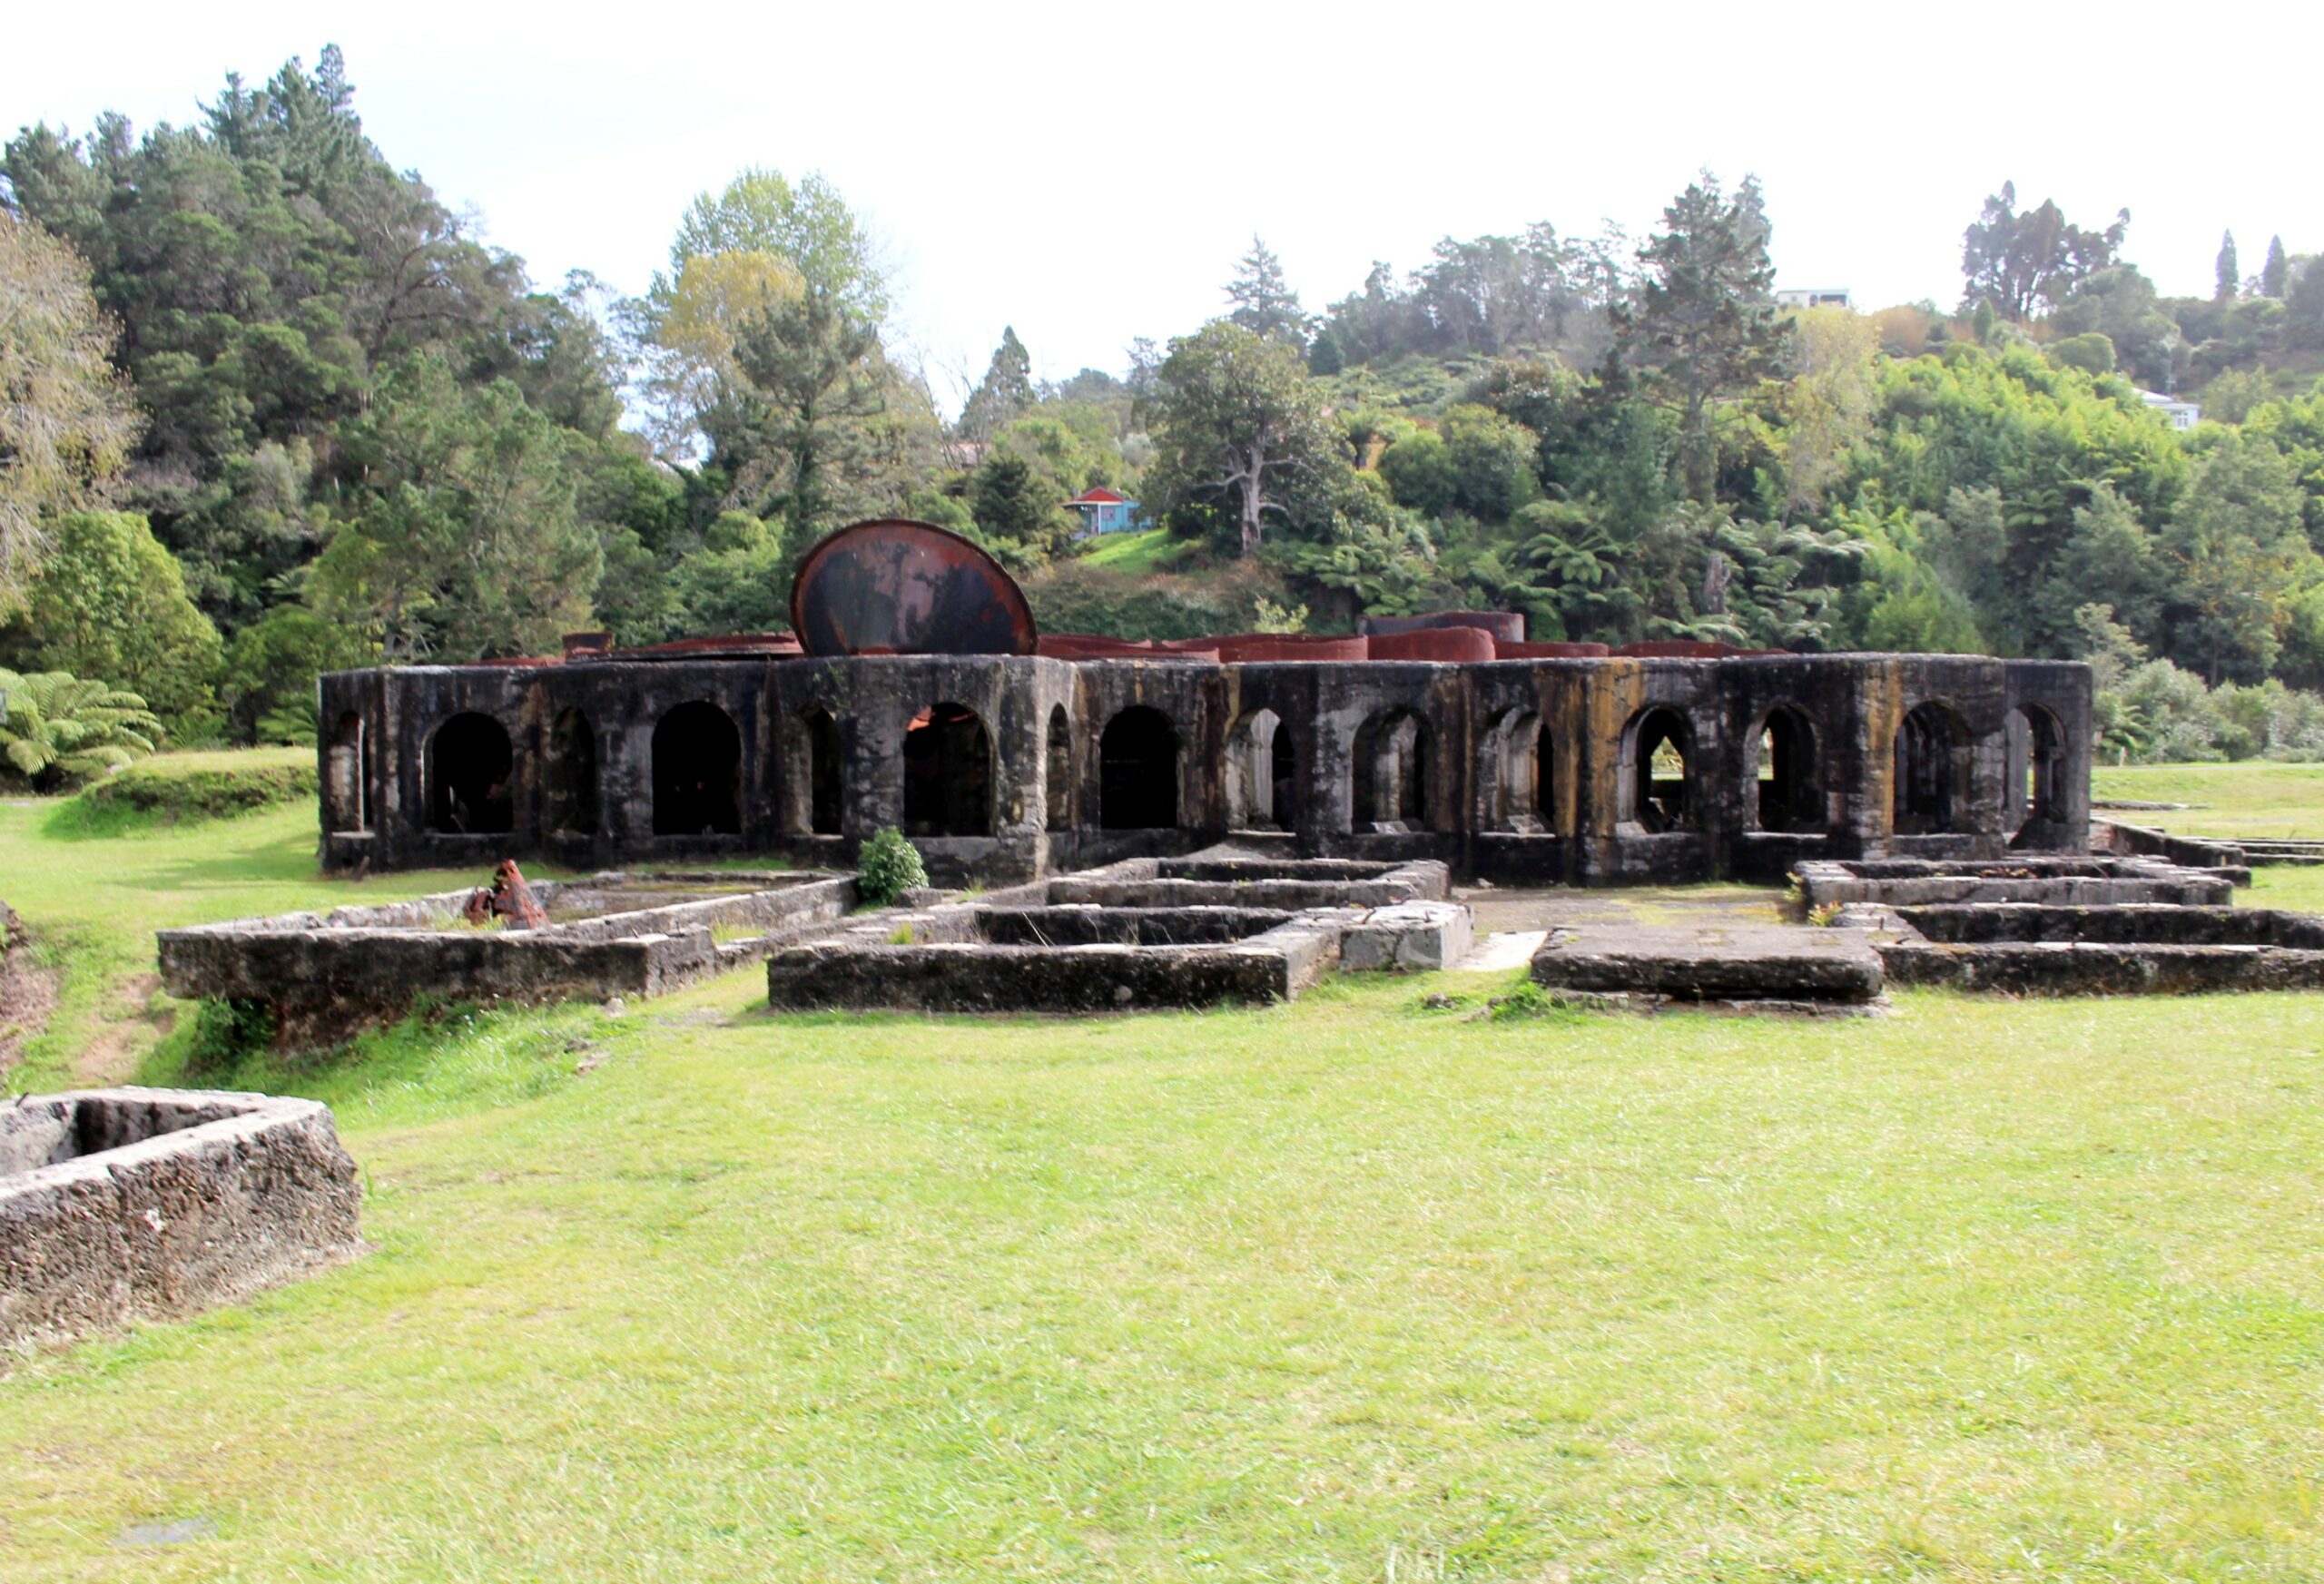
[2124, 949]
[1140, 935]
[1711, 962]
[125, 1204]
[1537, 770]
[611, 935]
[2068, 882]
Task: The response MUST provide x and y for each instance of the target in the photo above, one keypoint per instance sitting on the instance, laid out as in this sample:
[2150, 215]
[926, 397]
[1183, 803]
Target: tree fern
[61, 730]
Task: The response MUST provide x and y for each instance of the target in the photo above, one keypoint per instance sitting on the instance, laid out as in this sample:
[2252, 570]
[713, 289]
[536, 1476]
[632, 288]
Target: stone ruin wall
[1004, 768]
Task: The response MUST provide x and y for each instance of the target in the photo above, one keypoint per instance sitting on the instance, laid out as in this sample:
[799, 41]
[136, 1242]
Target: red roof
[1095, 494]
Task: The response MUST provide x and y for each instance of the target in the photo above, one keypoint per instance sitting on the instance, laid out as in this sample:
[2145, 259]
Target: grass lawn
[1155, 550]
[1345, 1289]
[2250, 799]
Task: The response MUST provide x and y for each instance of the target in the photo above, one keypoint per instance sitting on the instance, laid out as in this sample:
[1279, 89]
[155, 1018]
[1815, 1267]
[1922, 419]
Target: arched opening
[1514, 777]
[1137, 772]
[1787, 786]
[1262, 774]
[345, 774]
[1392, 771]
[1931, 772]
[571, 774]
[1658, 755]
[1057, 770]
[2037, 765]
[697, 772]
[469, 763]
[947, 773]
[823, 773]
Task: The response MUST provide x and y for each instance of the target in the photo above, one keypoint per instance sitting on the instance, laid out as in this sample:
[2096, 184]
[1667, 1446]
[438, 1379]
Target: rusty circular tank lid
[893, 586]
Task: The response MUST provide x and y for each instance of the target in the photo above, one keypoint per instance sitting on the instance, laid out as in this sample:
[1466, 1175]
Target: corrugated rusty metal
[898, 587]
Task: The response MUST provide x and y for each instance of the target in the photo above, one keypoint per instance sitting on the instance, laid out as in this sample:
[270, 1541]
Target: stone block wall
[1608, 770]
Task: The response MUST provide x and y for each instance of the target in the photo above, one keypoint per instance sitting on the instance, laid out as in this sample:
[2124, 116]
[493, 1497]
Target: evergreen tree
[2227, 275]
[1325, 357]
[820, 389]
[1006, 392]
[2274, 273]
[1013, 500]
[1265, 303]
[1705, 314]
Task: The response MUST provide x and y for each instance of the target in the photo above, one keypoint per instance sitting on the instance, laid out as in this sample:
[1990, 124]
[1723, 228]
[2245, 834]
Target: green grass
[2251, 799]
[1345, 1290]
[1155, 550]
[179, 788]
[92, 904]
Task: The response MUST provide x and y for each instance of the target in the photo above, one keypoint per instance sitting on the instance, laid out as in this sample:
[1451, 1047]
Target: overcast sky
[1090, 174]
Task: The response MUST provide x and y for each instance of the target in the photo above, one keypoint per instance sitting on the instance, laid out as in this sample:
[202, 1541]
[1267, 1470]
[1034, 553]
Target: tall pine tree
[2276, 272]
[1265, 303]
[1706, 316]
[1006, 389]
[2227, 274]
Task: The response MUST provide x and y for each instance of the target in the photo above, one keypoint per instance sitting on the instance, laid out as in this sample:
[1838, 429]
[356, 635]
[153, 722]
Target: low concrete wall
[327, 976]
[2084, 969]
[125, 1204]
[2094, 881]
[962, 977]
[2113, 836]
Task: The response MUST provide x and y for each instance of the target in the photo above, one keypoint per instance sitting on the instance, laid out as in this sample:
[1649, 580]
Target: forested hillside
[268, 407]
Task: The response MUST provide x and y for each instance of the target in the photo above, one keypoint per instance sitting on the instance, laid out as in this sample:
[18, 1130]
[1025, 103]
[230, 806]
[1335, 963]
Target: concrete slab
[1499, 953]
[1712, 961]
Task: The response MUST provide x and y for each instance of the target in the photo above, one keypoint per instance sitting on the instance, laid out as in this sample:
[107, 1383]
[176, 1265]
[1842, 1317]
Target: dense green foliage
[185, 791]
[65, 421]
[107, 601]
[366, 437]
[61, 730]
[888, 866]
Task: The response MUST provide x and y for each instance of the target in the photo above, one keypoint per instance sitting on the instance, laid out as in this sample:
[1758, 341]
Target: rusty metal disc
[898, 587]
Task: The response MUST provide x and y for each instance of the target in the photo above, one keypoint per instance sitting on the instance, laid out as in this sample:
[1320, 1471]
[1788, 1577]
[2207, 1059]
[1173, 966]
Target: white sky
[1090, 174]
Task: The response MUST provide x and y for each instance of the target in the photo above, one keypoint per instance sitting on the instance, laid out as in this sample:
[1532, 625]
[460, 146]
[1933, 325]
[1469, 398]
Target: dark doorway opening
[1661, 754]
[822, 774]
[2037, 765]
[1137, 772]
[469, 764]
[1790, 783]
[697, 772]
[1057, 771]
[1931, 772]
[572, 775]
[947, 773]
[1391, 755]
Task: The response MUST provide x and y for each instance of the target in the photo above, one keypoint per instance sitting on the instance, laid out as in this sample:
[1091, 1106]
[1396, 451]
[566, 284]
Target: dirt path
[121, 1042]
[27, 992]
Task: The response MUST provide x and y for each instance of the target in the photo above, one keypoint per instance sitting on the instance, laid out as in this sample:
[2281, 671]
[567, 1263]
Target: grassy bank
[1345, 1289]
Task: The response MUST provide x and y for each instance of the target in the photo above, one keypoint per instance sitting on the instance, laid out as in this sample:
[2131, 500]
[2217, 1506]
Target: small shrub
[888, 867]
[225, 1032]
[1824, 915]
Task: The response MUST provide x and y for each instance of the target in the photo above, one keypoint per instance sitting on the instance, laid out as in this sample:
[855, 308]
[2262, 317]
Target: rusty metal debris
[899, 587]
[509, 898]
